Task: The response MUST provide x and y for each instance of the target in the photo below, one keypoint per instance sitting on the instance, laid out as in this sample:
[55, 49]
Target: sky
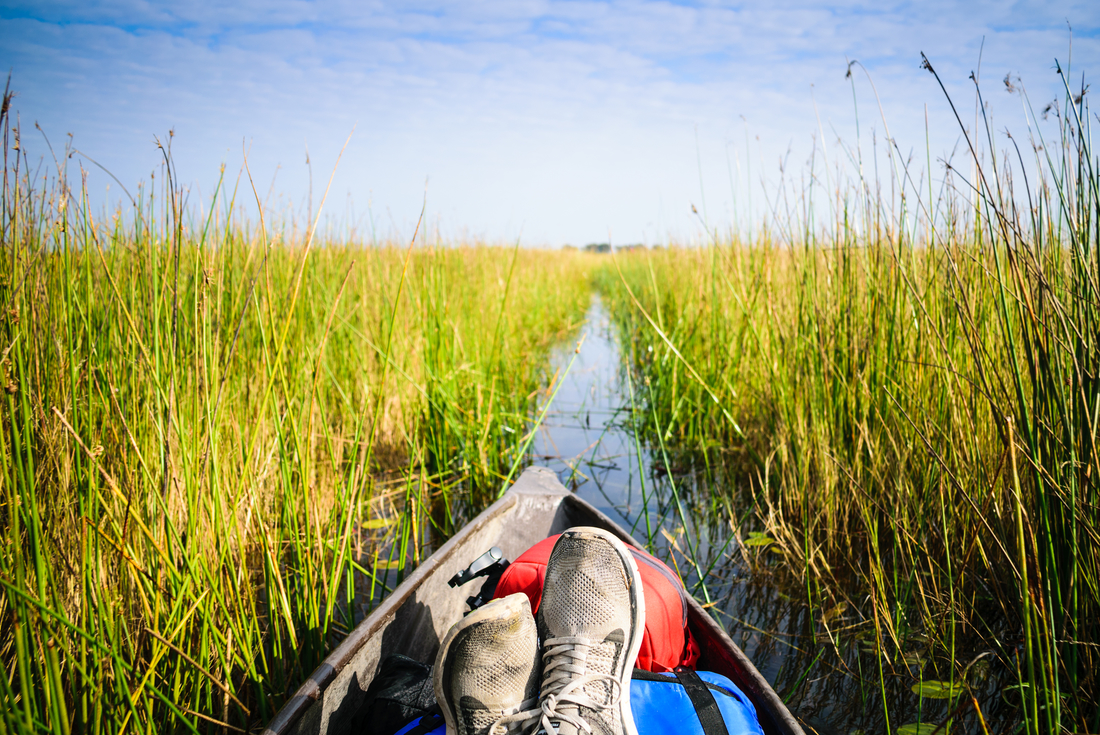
[551, 122]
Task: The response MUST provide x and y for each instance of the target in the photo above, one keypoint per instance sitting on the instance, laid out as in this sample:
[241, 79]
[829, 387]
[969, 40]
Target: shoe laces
[518, 722]
[564, 676]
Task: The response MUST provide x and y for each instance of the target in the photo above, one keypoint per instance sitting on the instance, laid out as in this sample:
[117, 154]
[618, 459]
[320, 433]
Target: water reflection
[826, 664]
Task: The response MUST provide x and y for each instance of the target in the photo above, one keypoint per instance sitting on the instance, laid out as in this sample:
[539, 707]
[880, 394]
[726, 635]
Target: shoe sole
[504, 608]
[637, 606]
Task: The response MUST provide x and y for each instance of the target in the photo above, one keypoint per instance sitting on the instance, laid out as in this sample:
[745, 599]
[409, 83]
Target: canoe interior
[416, 616]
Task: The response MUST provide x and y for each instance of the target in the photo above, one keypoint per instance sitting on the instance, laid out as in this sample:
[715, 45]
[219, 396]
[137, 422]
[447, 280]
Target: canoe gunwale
[313, 688]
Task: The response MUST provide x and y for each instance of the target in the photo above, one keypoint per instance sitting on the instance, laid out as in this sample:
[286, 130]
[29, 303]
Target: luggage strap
[431, 721]
[698, 692]
[703, 701]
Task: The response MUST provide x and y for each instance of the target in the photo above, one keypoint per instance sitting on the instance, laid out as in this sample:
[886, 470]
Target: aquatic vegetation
[904, 386]
[224, 440]
[212, 430]
[932, 689]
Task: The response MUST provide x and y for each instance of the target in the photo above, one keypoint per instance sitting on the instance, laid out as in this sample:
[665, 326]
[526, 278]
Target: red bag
[667, 642]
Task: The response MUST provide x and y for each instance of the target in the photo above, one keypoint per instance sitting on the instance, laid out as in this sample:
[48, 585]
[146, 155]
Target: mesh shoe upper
[487, 669]
[590, 621]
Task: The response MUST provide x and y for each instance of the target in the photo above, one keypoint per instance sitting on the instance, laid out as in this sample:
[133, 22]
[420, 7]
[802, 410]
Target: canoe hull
[416, 616]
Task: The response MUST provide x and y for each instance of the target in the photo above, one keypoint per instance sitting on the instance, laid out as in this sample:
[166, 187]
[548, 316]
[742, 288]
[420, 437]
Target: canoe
[419, 612]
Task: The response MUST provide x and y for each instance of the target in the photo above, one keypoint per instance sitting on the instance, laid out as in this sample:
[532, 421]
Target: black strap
[710, 717]
[670, 678]
[429, 722]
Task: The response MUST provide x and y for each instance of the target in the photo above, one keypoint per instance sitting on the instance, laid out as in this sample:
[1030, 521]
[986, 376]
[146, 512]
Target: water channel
[831, 671]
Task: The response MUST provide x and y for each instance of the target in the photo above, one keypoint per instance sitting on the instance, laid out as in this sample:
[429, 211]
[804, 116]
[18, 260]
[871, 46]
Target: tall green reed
[908, 392]
[213, 436]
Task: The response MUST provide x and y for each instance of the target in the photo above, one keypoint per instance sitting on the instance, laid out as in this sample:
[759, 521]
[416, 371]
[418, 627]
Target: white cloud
[561, 119]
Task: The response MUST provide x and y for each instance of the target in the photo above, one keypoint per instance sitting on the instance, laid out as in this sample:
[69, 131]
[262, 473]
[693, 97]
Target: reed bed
[909, 397]
[223, 440]
[218, 434]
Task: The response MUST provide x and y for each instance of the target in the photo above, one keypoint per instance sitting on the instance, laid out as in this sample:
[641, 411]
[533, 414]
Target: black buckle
[490, 565]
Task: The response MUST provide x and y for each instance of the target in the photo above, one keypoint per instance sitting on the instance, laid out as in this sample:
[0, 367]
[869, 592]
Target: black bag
[402, 691]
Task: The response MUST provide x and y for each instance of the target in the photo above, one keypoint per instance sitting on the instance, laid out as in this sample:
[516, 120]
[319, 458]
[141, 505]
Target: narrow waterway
[586, 437]
[825, 663]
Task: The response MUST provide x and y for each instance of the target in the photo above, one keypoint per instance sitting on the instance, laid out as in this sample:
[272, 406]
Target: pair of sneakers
[492, 676]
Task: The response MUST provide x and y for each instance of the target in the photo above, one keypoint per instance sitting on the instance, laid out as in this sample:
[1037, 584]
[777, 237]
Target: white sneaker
[486, 673]
[590, 621]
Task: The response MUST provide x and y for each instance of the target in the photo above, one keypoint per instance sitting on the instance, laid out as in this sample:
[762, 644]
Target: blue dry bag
[682, 702]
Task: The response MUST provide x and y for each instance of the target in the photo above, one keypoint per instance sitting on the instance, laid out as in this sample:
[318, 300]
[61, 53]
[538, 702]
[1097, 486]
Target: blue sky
[555, 122]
